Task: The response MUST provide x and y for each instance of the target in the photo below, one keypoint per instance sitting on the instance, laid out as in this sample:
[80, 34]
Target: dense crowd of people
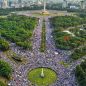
[51, 59]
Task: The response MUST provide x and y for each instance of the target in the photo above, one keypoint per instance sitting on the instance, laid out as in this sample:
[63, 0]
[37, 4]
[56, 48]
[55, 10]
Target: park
[43, 48]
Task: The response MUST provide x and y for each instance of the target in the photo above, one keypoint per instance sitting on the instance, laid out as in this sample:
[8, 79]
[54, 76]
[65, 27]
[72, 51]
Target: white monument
[44, 10]
[44, 5]
[42, 73]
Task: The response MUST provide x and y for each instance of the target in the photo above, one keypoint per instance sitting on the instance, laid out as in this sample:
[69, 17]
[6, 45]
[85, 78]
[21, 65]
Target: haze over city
[47, 0]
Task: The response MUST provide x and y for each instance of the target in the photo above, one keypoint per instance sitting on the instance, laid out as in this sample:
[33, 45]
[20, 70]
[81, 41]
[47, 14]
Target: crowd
[50, 59]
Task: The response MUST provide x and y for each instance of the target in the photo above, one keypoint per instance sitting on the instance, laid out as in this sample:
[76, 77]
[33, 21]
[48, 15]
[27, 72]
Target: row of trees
[64, 40]
[82, 15]
[78, 53]
[5, 69]
[4, 45]
[81, 73]
[67, 21]
[9, 10]
[18, 29]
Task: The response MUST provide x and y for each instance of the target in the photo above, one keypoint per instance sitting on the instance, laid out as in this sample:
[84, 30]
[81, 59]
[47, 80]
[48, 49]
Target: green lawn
[35, 77]
[64, 64]
[66, 33]
[18, 29]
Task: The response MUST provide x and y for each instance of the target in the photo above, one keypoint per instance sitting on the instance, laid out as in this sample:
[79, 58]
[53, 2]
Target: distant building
[83, 4]
[39, 2]
[16, 4]
[0, 4]
[64, 5]
[5, 4]
[20, 3]
[10, 2]
[74, 7]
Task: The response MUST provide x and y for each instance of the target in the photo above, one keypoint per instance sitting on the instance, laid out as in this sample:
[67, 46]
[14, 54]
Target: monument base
[45, 12]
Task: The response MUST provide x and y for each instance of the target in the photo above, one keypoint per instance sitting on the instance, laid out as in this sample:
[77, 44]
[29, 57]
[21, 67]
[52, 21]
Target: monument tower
[44, 9]
[44, 5]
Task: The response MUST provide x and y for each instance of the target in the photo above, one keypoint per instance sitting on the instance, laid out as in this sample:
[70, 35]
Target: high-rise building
[5, 4]
[10, 3]
[83, 4]
[64, 5]
[15, 3]
[0, 4]
[38, 2]
[20, 3]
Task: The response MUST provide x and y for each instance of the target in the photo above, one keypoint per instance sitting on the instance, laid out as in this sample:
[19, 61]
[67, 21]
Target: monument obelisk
[44, 10]
[44, 5]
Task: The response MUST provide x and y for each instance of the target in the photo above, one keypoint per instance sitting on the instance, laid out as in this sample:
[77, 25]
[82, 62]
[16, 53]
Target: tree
[5, 69]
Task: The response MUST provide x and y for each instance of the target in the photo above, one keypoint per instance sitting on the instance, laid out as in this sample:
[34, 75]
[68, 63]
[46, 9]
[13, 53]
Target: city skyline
[47, 0]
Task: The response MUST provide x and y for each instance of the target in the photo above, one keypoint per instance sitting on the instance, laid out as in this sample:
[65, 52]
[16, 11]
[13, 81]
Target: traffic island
[42, 76]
